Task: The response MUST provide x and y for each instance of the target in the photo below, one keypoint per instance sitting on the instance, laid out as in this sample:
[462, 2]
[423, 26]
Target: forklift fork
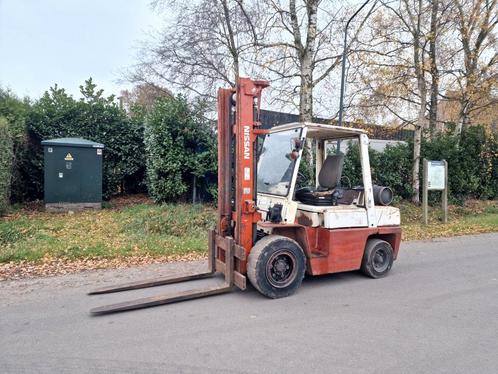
[222, 254]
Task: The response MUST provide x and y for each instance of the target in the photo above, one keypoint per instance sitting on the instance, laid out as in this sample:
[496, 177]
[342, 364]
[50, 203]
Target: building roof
[321, 131]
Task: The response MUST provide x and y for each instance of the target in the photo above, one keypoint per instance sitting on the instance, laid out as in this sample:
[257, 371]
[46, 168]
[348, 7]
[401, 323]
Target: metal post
[425, 191]
[343, 70]
[445, 193]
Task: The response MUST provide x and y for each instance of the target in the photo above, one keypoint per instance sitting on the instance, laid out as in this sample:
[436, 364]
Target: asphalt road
[437, 312]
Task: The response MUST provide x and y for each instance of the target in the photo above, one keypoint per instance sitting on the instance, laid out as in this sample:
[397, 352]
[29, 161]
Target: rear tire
[276, 266]
[377, 259]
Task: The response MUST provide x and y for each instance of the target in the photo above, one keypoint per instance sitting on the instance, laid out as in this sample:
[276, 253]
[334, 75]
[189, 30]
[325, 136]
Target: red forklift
[268, 229]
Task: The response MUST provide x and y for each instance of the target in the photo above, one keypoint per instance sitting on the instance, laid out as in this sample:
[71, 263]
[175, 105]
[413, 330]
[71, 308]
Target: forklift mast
[238, 129]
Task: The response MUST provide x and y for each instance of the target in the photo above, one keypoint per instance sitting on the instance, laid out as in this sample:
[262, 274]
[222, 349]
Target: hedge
[181, 151]
[6, 160]
[472, 164]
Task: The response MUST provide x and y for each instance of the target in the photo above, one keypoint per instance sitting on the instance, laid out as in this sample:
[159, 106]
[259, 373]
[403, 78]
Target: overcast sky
[43, 42]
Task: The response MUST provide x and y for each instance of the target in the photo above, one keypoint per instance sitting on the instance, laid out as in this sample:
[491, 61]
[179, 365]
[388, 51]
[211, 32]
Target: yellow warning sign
[69, 157]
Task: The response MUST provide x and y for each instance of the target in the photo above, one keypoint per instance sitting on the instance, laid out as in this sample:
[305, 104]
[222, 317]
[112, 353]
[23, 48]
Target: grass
[138, 230]
[177, 230]
[474, 217]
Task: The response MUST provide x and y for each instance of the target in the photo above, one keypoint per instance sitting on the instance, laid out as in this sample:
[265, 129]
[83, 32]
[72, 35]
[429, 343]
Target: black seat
[328, 179]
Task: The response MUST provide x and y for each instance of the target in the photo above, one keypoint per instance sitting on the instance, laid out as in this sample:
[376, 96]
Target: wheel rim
[281, 269]
[380, 260]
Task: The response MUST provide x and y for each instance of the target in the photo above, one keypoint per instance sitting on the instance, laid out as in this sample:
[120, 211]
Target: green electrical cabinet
[73, 174]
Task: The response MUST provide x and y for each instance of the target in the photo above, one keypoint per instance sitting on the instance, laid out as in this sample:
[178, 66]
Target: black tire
[377, 259]
[276, 266]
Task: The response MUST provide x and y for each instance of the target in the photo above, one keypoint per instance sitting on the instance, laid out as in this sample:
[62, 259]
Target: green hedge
[472, 164]
[181, 151]
[15, 111]
[6, 161]
[392, 168]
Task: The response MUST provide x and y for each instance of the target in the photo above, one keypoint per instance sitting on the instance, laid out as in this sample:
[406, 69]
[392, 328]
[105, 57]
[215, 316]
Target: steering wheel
[349, 181]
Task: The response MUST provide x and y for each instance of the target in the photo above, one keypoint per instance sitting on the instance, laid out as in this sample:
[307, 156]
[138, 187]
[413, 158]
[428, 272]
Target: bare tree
[200, 49]
[143, 94]
[299, 47]
[476, 59]
[414, 24]
[406, 67]
[396, 69]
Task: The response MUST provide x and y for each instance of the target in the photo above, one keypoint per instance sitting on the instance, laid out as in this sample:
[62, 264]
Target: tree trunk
[418, 60]
[464, 117]
[306, 54]
[434, 69]
[417, 145]
[306, 94]
[306, 58]
[306, 109]
[417, 141]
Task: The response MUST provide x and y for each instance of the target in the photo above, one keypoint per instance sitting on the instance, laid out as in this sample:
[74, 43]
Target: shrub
[351, 171]
[181, 150]
[15, 110]
[6, 160]
[393, 168]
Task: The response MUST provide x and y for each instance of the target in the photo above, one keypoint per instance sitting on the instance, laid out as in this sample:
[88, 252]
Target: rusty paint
[303, 219]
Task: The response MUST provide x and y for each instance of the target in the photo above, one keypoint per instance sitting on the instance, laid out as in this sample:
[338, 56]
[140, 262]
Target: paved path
[437, 312]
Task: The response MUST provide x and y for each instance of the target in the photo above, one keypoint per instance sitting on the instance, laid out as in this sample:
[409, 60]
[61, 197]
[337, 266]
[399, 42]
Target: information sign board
[435, 178]
[435, 175]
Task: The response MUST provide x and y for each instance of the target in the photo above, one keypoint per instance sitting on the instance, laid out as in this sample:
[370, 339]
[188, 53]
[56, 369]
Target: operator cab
[327, 203]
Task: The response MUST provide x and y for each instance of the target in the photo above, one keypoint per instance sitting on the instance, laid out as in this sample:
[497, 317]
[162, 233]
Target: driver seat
[329, 178]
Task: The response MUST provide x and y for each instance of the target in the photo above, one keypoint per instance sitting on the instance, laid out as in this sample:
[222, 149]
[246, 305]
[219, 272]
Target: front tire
[276, 266]
[377, 259]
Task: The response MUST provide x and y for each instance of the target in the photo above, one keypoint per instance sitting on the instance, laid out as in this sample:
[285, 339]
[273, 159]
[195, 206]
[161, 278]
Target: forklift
[268, 229]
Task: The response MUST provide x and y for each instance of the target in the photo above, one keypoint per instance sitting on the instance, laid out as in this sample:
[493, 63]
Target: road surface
[437, 312]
